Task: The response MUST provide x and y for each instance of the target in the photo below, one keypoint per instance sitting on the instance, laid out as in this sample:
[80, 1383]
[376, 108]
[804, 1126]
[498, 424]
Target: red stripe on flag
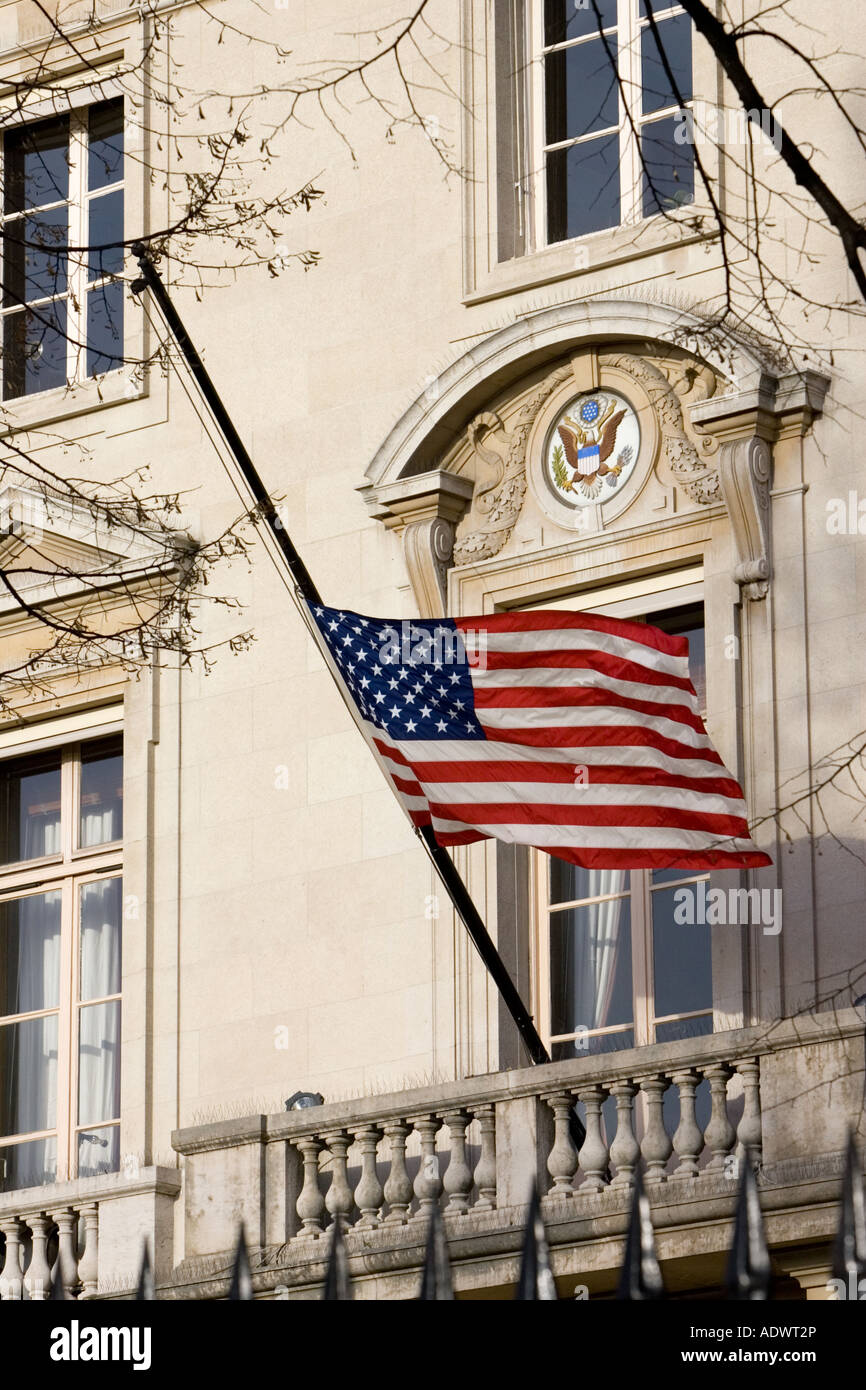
[546, 620]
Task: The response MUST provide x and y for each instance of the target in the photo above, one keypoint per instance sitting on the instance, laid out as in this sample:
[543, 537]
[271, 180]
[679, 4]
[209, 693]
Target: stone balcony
[91, 1232]
[788, 1092]
[687, 1111]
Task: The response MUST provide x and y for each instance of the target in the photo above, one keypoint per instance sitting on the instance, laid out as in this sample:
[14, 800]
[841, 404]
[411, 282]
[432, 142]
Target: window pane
[30, 953]
[34, 350]
[675, 35]
[688, 623]
[682, 954]
[29, 808]
[569, 883]
[571, 19]
[105, 328]
[684, 1028]
[37, 165]
[669, 165]
[581, 93]
[28, 1075]
[99, 1063]
[101, 905]
[672, 876]
[106, 226]
[28, 1165]
[35, 263]
[583, 188]
[593, 1047]
[590, 964]
[105, 162]
[98, 1151]
[101, 809]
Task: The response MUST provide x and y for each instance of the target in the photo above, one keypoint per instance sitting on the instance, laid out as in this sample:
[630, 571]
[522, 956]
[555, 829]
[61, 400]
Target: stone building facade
[281, 929]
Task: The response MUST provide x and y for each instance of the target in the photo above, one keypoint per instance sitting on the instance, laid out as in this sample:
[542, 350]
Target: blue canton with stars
[409, 678]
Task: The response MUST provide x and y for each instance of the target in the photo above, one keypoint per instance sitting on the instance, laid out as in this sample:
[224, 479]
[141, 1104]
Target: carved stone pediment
[693, 441]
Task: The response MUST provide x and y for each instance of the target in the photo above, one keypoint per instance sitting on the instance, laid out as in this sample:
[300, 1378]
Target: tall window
[619, 970]
[61, 825]
[62, 311]
[613, 142]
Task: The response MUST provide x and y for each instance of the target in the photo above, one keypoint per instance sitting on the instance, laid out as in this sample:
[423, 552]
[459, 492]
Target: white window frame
[68, 870]
[79, 287]
[628, 37]
[623, 601]
[487, 274]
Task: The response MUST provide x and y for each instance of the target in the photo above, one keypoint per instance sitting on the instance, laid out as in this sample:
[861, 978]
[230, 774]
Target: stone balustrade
[685, 1111]
[54, 1232]
[364, 1175]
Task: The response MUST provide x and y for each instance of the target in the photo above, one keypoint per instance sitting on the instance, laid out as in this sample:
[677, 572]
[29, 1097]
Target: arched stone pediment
[702, 417]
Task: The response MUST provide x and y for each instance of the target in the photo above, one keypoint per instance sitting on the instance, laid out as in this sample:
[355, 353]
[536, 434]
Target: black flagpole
[441, 860]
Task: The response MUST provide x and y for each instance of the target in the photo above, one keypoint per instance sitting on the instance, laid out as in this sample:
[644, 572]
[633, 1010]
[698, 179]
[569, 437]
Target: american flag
[575, 733]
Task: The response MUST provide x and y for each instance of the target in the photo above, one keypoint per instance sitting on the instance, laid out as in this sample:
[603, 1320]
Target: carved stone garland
[500, 500]
[697, 478]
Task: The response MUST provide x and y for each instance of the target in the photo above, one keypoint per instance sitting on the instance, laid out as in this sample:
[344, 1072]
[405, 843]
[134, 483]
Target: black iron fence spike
[338, 1286]
[241, 1287]
[436, 1279]
[849, 1252]
[748, 1273]
[535, 1282]
[641, 1277]
[146, 1291]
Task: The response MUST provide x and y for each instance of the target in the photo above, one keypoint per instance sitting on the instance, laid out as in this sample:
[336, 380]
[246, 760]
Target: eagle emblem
[580, 461]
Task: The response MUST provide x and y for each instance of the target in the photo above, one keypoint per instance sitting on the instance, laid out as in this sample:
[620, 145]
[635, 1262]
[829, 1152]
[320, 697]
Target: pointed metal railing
[338, 1286]
[641, 1277]
[849, 1252]
[535, 1282]
[241, 1287]
[748, 1273]
[436, 1284]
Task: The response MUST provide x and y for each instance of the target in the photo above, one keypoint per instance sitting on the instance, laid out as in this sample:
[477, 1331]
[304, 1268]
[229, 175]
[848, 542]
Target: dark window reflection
[583, 190]
[668, 165]
[659, 91]
[572, 19]
[582, 92]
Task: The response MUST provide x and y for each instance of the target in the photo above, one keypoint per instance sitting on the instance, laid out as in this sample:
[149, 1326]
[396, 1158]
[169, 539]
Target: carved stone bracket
[746, 425]
[744, 474]
[424, 510]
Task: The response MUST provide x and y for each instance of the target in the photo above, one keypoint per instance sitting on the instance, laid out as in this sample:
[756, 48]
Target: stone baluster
[458, 1174]
[719, 1135]
[562, 1159]
[66, 1266]
[656, 1147]
[428, 1183]
[11, 1284]
[368, 1193]
[688, 1139]
[310, 1203]
[38, 1277]
[592, 1159]
[338, 1198]
[88, 1263]
[485, 1168]
[625, 1149]
[398, 1184]
[749, 1131]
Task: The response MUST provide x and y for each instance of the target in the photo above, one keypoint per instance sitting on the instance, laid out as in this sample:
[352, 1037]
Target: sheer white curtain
[40, 828]
[598, 942]
[99, 1024]
[32, 1058]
